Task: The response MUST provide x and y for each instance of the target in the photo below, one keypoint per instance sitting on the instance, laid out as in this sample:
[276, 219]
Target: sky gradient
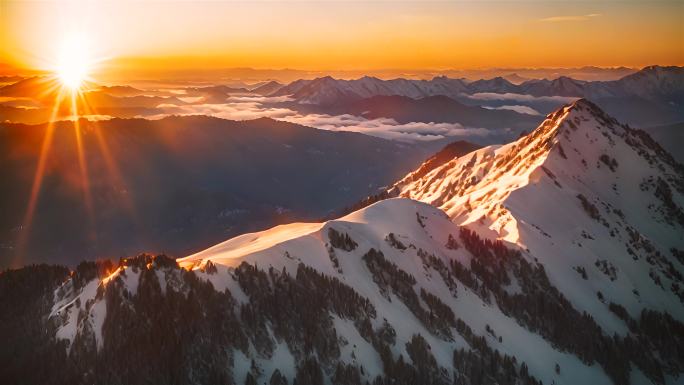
[326, 35]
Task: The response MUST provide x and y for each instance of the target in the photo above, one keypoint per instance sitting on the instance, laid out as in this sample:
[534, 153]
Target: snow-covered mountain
[267, 88]
[654, 83]
[496, 85]
[562, 86]
[584, 194]
[515, 78]
[383, 292]
[556, 258]
[328, 91]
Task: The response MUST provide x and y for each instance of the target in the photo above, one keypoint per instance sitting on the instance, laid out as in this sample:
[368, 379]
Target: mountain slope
[583, 193]
[382, 280]
[182, 183]
[497, 84]
[653, 83]
[559, 293]
[394, 292]
[267, 88]
[451, 151]
[562, 86]
[550, 266]
[670, 137]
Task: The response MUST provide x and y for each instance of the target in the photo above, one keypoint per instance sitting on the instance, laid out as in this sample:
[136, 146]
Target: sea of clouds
[253, 107]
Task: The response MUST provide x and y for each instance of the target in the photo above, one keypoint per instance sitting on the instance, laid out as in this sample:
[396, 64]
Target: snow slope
[417, 225]
[369, 227]
[531, 192]
[584, 212]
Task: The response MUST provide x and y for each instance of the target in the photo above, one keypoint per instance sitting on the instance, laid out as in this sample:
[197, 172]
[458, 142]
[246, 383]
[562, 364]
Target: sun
[73, 64]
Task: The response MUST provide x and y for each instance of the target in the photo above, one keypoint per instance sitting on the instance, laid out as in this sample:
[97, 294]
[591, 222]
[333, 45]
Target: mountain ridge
[495, 288]
[505, 192]
[665, 82]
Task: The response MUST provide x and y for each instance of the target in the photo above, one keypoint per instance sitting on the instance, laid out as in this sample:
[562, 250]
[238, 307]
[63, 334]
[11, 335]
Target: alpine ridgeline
[558, 260]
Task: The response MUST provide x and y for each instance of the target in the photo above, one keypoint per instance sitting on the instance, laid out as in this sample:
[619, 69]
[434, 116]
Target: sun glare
[73, 65]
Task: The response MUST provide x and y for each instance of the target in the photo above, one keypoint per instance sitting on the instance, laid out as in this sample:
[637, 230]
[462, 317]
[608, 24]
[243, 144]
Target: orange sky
[327, 35]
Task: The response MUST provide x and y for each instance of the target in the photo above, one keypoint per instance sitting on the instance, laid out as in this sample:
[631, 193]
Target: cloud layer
[388, 128]
[245, 108]
[517, 108]
[491, 96]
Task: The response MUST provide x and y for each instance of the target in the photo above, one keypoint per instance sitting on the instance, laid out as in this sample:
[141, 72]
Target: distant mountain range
[651, 83]
[327, 90]
[267, 88]
[654, 83]
[652, 96]
[555, 259]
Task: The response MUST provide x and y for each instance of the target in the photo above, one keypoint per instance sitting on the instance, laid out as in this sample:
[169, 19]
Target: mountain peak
[572, 115]
[575, 144]
[326, 78]
[566, 193]
[268, 88]
[584, 106]
[656, 68]
[369, 78]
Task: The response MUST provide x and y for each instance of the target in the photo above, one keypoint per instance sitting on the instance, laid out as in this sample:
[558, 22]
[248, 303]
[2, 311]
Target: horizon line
[6, 68]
